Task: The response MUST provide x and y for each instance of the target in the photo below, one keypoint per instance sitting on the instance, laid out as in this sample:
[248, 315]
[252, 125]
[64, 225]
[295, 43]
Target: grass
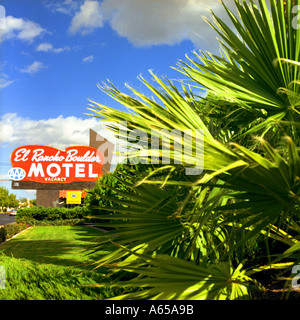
[51, 263]
[27, 280]
[58, 245]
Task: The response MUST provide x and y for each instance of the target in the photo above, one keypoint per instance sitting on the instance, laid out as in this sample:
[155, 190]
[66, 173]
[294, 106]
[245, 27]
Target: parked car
[13, 212]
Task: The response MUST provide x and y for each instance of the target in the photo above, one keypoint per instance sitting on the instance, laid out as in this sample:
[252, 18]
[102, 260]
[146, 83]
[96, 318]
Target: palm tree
[189, 237]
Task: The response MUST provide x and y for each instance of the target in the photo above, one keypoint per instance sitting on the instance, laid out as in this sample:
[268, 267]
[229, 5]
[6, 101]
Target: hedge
[10, 230]
[51, 216]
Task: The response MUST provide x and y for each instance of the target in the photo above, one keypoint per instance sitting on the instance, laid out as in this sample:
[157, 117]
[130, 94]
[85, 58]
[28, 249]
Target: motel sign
[50, 165]
[49, 170]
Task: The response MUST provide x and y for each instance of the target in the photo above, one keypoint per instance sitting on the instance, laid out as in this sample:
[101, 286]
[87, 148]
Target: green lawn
[51, 263]
[58, 245]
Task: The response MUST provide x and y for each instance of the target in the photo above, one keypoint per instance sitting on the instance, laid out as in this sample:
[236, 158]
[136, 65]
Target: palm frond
[164, 278]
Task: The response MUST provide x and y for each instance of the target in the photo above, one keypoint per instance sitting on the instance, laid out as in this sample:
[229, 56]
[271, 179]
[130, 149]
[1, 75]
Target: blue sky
[55, 52]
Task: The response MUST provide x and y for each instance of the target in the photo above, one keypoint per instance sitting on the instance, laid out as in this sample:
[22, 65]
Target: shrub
[2, 234]
[10, 230]
[58, 222]
[110, 187]
[51, 216]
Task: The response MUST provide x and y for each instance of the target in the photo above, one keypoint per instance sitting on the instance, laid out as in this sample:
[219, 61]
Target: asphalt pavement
[5, 218]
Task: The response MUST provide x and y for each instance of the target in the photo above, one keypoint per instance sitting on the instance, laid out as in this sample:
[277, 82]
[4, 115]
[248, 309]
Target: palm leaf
[164, 278]
[254, 70]
[144, 221]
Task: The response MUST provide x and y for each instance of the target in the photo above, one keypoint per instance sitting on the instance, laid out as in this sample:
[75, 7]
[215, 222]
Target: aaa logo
[16, 174]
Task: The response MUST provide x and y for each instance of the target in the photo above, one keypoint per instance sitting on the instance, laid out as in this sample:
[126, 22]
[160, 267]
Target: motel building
[60, 176]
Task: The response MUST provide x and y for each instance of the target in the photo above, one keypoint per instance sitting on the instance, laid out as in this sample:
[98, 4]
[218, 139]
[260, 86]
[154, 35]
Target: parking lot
[5, 218]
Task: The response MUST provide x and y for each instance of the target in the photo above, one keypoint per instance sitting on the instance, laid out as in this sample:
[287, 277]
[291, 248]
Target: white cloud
[66, 7]
[35, 67]
[155, 22]
[59, 50]
[4, 81]
[18, 28]
[88, 59]
[44, 47]
[59, 132]
[48, 47]
[4, 176]
[88, 18]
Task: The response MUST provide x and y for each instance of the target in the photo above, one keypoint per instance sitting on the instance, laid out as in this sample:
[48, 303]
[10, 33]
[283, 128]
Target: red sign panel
[50, 165]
